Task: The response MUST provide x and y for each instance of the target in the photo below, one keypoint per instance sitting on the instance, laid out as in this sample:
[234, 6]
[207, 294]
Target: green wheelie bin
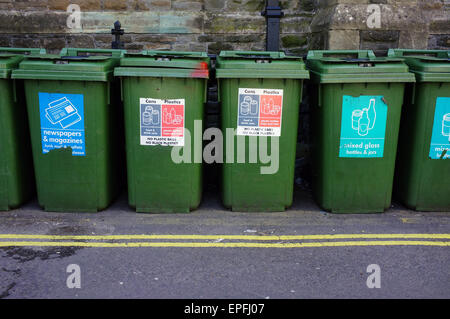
[260, 94]
[423, 163]
[73, 124]
[16, 164]
[355, 124]
[164, 95]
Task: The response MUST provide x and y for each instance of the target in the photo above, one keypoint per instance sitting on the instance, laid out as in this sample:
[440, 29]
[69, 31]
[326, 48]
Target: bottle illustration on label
[269, 107]
[171, 118]
[62, 112]
[364, 120]
[446, 126]
[150, 116]
[363, 124]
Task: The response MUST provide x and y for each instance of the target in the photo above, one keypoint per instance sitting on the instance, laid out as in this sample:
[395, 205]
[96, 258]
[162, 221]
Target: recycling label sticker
[62, 122]
[363, 126]
[440, 140]
[162, 122]
[260, 112]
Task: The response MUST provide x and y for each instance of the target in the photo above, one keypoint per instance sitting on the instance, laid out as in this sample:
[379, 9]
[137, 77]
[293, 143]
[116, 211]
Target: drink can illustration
[147, 118]
[155, 117]
[254, 107]
[356, 116]
[245, 108]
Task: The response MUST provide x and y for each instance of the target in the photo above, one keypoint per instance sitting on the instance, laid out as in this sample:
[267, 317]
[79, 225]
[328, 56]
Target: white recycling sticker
[260, 112]
[162, 122]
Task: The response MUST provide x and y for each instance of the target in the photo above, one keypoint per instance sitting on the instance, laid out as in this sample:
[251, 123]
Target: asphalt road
[224, 264]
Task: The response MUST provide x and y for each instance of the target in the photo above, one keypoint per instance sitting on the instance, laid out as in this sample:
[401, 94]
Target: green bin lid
[275, 65]
[114, 53]
[356, 66]
[11, 57]
[69, 68]
[164, 64]
[427, 65]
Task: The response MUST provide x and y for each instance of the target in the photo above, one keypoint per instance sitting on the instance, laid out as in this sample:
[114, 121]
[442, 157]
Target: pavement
[214, 253]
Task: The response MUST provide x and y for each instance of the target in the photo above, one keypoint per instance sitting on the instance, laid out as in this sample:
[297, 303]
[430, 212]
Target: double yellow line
[231, 241]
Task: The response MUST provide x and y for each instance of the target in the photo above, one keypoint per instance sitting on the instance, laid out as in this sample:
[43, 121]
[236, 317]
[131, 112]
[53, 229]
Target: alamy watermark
[74, 19]
[237, 149]
[74, 279]
[374, 279]
[374, 19]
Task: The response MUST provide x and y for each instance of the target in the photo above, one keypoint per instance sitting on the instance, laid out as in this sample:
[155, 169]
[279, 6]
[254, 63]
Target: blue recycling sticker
[440, 140]
[62, 122]
[363, 126]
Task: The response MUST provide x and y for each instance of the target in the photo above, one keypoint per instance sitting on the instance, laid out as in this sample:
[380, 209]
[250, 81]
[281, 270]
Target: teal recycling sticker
[440, 140]
[363, 126]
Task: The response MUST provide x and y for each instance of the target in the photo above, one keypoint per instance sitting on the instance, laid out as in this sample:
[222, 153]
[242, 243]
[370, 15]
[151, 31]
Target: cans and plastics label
[440, 140]
[62, 122]
[363, 126]
[162, 122]
[260, 112]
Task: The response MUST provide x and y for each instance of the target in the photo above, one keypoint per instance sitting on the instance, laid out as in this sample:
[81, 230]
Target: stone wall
[214, 25]
[419, 24]
[198, 25]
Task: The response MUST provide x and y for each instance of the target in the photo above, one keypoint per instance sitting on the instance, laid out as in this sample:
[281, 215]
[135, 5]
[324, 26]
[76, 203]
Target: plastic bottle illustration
[364, 124]
[167, 117]
[173, 115]
[277, 109]
[266, 106]
[271, 105]
[446, 126]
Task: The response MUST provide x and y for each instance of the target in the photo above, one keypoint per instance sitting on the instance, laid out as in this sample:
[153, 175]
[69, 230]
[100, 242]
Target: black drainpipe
[117, 32]
[273, 15]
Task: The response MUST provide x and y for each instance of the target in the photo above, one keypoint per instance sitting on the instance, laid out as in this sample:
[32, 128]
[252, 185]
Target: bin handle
[23, 51]
[66, 59]
[108, 93]
[121, 89]
[218, 90]
[92, 52]
[14, 85]
[319, 99]
[431, 53]
[166, 57]
[413, 94]
[259, 58]
[355, 54]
